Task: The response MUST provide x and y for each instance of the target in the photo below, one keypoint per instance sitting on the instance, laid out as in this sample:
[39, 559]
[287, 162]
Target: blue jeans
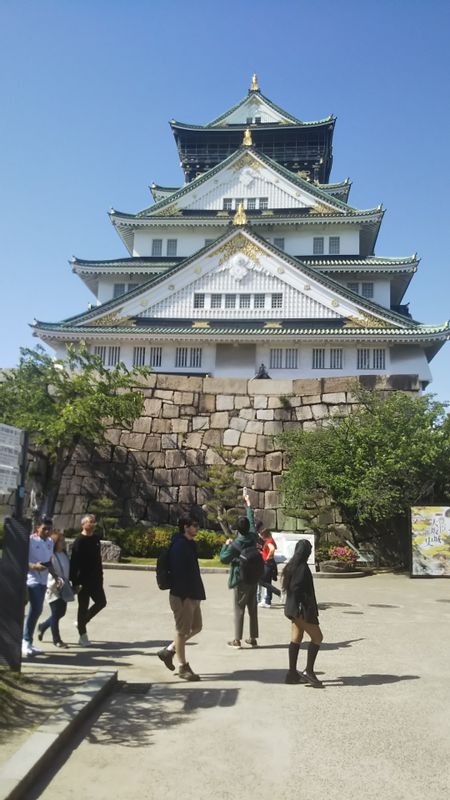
[58, 608]
[36, 596]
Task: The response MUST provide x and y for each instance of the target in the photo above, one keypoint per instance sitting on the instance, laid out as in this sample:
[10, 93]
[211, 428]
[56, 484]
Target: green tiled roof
[133, 261]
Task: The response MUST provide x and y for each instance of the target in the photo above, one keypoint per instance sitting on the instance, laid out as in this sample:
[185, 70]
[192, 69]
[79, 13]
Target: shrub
[345, 554]
[148, 543]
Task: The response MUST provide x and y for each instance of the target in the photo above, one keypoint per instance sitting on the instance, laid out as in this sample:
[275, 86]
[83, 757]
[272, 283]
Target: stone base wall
[155, 469]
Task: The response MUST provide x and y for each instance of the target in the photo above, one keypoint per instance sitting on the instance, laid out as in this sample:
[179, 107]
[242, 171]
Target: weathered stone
[265, 414]
[276, 482]
[139, 457]
[67, 504]
[270, 387]
[212, 438]
[271, 499]
[169, 442]
[194, 457]
[142, 425]
[188, 411]
[192, 440]
[74, 484]
[195, 476]
[224, 402]
[248, 413]
[259, 401]
[285, 523]
[303, 412]
[274, 462]
[239, 456]
[220, 419]
[162, 477]
[183, 398]
[275, 402]
[110, 552]
[152, 407]
[309, 425]
[264, 444]
[319, 411]
[161, 426]
[247, 440]
[311, 399]
[113, 435]
[207, 402]
[180, 383]
[269, 519]
[187, 494]
[179, 425]
[325, 517]
[170, 411]
[202, 496]
[254, 463]
[231, 437]
[156, 460]
[174, 458]
[262, 481]
[238, 424]
[132, 440]
[273, 428]
[225, 385]
[168, 494]
[120, 455]
[152, 443]
[333, 397]
[336, 384]
[212, 457]
[243, 478]
[242, 401]
[302, 386]
[162, 394]
[200, 423]
[254, 426]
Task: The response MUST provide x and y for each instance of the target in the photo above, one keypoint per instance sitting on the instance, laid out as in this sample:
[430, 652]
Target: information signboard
[11, 454]
[286, 541]
[430, 541]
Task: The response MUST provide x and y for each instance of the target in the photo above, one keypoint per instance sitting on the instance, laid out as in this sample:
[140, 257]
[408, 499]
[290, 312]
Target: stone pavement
[379, 728]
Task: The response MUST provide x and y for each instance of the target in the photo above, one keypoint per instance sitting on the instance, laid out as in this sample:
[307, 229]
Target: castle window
[257, 120]
[156, 247]
[155, 356]
[259, 300]
[277, 300]
[113, 355]
[263, 203]
[171, 247]
[195, 357]
[100, 352]
[354, 287]
[230, 301]
[119, 289]
[199, 300]
[367, 290]
[251, 203]
[138, 356]
[237, 201]
[291, 358]
[371, 359]
[132, 286]
[334, 245]
[379, 358]
[318, 358]
[227, 204]
[276, 358]
[244, 301]
[279, 242]
[181, 357]
[249, 120]
[336, 358]
[318, 246]
[216, 301]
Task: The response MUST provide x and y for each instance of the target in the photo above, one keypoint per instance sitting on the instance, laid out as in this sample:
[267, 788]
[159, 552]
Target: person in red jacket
[270, 568]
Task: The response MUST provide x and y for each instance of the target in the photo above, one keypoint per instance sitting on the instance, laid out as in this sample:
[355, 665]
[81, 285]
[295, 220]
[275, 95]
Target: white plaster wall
[410, 359]
[381, 286]
[189, 240]
[253, 107]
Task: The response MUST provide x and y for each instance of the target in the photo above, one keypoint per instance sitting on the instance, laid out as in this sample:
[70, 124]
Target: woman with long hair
[59, 592]
[301, 609]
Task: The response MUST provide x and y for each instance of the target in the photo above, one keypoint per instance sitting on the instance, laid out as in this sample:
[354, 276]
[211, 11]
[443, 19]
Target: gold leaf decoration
[246, 160]
[240, 244]
[366, 321]
[322, 209]
[112, 320]
[276, 325]
[171, 210]
[200, 324]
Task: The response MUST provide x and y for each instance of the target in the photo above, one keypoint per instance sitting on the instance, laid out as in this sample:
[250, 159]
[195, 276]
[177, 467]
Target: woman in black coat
[301, 609]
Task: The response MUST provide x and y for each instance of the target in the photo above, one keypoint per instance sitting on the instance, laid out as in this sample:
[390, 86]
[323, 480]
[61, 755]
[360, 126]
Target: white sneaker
[83, 641]
[27, 649]
[264, 605]
[36, 651]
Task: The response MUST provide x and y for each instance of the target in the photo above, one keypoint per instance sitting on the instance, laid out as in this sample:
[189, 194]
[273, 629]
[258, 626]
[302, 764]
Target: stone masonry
[155, 469]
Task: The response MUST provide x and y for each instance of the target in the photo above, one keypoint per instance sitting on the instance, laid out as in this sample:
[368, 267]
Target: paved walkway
[379, 729]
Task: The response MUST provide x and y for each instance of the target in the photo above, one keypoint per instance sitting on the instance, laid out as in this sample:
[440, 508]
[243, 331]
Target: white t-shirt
[39, 551]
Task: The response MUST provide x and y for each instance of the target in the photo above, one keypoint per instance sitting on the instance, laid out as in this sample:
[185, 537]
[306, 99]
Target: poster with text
[430, 538]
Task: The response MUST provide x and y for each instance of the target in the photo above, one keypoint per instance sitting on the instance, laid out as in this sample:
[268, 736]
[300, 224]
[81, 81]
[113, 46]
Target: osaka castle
[256, 265]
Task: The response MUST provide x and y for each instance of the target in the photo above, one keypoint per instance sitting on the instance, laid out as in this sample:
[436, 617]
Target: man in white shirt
[40, 552]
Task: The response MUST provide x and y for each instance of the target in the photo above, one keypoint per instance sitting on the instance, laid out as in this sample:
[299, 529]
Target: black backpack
[163, 576]
[251, 564]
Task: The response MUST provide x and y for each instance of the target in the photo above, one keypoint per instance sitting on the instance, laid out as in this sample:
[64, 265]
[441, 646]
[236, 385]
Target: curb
[24, 767]
[152, 568]
[354, 574]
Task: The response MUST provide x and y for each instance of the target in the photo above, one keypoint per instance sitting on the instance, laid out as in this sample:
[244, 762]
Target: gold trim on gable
[171, 210]
[112, 321]
[366, 321]
[240, 244]
[246, 160]
[200, 324]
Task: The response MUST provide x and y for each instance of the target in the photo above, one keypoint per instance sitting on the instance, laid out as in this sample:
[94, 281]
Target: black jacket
[300, 594]
[184, 569]
[86, 561]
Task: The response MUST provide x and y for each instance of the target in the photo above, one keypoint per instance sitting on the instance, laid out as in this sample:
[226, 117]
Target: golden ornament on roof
[240, 217]
[254, 87]
[247, 140]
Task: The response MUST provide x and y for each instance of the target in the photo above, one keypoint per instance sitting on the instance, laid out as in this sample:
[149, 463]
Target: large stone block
[262, 481]
[224, 402]
[161, 426]
[156, 460]
[265, 414]
[271, 499]
[142, 425]
[134, 441]
[207, 403]
[277, 482]
[162, 477]
[264, 444]
[180, 383]
[248, 413]
[168, 494]
[74, 484]
[212, 457]
[285, 523]
[200, 423]
[183, 398]
[212, 438]
[174, 458]
[311, 399]
[238, 424]
[302, 386]
[274, 462]
[269, 519]
[220, 419]
[170, 411]
[225, 385]
[334, 397]
[320, 411]
[188, 411]
[283, 414]
[192, 440]
[273, 428]
[152, 443]
[196, 475]
[67, 504]
[336, 384]
[243, 478]
[242, 401]
[254, 426]
[231, 437]
[259, 401]
[248, 440]
[309, 425]
[179, 425]
[194, 457]
[152, 407]
[304, 412]
[202, 496]
[254, 463]
[113, 435]
[163, 394]
[270, 387]
[169, 442]
[187, 494]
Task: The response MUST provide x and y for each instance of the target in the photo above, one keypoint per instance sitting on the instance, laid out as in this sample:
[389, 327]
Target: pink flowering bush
[345, 554]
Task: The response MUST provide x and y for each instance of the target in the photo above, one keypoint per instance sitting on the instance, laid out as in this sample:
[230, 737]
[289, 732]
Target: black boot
[293, 676]
[309, 673]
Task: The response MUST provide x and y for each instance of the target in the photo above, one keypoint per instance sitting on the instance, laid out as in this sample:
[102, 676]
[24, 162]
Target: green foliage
[224, 496]
[285, 401]
[64, 403]
[148, 543]
[391, 453]
[107, 514]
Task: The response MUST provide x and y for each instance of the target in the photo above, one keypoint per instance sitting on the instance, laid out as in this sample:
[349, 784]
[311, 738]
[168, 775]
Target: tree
[391, 453]
[224, 494]
[66, 403]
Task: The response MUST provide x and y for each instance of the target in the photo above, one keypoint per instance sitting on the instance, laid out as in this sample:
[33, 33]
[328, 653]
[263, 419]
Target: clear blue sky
[87, 89]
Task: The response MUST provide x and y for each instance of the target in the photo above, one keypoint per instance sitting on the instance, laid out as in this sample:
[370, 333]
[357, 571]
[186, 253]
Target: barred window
[244, 301]
[181, 357]
[216, 301]
[227, 204]
[155, 356]
[291, 358]
[113, 355]
[277, 300]
[157, 247]
[318, 246]
[335, 358]
[276, 358]
[100, 351]
[367, 290]
[138, 356]
[334, 245]
[230, 301]
[195, 357]
[199, 300]
[119, 289]
[318, 358]
[363, 358]
[263, 203]
[354, 287]
[237, 201]
[379, 358]
[279, 242]
[172, 247]
[251, 203]
[259, 300]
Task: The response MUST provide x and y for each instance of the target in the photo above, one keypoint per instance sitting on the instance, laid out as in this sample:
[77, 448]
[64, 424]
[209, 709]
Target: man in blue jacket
[186, 593]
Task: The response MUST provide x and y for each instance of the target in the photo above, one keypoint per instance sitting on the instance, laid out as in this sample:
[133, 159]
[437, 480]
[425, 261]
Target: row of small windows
[171, 247]
[334, 245]
[251, 203]
[364, 289]
[367, 358]
[274, 300]
[121, 288]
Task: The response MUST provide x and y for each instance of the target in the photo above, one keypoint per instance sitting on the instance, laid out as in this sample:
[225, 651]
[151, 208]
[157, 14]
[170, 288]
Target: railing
[278, 153]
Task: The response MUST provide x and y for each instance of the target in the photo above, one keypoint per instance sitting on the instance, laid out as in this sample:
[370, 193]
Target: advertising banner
[430, 539]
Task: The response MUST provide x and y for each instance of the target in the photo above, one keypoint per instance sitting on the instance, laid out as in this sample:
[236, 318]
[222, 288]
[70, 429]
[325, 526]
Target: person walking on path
[244, 592]
[301, 609]
[40, 551]
[270, 567]
[86, 575]
[186, 593]
[59, 591]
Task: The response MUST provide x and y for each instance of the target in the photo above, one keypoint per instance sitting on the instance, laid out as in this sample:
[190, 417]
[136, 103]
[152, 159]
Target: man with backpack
[186, 593]
[246, 570]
